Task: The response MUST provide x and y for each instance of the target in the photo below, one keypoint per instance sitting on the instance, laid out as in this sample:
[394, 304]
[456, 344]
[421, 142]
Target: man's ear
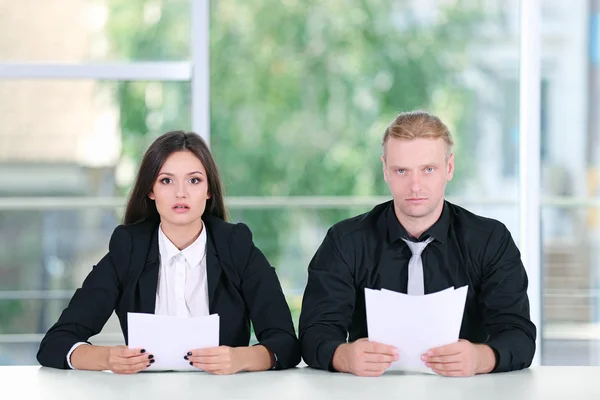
[385, 172]
[450, 168]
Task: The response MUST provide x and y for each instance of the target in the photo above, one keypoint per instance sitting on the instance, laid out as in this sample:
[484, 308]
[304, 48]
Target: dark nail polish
[185, 357]
[148, 365]
[189, 353]
[142, 351]
[150, 357]
[191, 363]
[151, 361]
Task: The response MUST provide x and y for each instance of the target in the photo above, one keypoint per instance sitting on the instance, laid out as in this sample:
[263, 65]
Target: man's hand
[222, 360]
[462, 358]
[364, 358]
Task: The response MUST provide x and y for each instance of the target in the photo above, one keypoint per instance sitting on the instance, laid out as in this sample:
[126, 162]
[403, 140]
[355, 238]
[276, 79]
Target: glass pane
[309, 111]
[25, 317]
[18, 353]
[571, 183]
[82, 138]
[23, 351]
[307, 115]
[46, 250]
[289, 238]
[94, 30]
[571, 260]
[75, 138]
[47, 255]
[29, 315]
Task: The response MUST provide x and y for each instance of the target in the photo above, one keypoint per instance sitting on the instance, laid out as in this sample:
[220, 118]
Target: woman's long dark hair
[141, 208]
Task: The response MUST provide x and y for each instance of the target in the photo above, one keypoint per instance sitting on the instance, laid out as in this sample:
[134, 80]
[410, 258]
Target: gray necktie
[416, 284]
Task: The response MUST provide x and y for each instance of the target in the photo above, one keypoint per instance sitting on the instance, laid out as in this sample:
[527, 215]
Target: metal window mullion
[135, 71]
[529, 157]
[200, 85]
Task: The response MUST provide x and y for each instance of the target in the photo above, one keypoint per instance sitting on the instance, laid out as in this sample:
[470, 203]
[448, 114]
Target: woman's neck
[182, 236]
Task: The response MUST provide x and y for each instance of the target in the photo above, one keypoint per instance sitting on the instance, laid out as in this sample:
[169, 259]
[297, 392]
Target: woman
[176, 255]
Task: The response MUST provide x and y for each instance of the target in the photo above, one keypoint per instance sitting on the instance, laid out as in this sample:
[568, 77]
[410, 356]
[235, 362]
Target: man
[459, 248]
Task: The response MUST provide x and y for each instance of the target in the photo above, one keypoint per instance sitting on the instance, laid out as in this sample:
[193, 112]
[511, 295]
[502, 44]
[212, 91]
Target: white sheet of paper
[430, 295]
[170, 338]
[414, 324]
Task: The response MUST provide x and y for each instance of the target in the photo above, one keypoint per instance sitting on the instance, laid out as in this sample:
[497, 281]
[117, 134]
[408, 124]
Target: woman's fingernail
[151, 361]
[191, 363]
[185, 357]
[142, 351]
[148, 365]
[150, 357]
[189, 353]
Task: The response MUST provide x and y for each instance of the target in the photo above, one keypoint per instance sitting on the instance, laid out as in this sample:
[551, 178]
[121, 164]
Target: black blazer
[242, 286]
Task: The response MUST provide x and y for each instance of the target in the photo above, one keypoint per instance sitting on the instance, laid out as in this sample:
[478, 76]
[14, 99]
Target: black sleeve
[328, 303]
[505, 303]
[91, 305]
[269, 311]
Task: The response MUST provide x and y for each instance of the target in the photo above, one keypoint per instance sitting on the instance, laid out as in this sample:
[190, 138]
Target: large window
[294, 97]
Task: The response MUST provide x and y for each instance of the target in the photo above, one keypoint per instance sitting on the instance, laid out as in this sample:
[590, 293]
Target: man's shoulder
[463, 219]
[363, 222]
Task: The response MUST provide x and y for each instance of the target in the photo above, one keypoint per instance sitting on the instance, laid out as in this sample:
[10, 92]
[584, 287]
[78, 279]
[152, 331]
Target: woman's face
[180, 190]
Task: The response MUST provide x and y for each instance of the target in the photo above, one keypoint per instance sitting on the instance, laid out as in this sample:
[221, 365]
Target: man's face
[417, 172]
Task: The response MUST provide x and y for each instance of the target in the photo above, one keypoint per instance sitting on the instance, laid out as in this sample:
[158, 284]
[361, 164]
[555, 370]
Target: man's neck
[416, 226]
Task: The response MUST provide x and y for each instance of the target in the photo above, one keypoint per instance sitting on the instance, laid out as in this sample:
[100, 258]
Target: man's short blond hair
[418, 124]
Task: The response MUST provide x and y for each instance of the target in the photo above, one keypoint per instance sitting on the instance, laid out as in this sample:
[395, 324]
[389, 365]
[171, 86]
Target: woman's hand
[118, 359]
[222, 360]
[122, 360]
[225, 360]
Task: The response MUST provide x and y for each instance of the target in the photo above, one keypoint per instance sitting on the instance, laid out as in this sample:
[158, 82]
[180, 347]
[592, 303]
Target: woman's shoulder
[125, 234]
[234, 238]
[233, 244]
[222, 229]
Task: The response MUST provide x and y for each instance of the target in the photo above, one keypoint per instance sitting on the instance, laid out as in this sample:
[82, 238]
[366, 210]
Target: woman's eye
[166, 181]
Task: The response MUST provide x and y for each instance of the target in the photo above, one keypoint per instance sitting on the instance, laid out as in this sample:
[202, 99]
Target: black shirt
[367, 251]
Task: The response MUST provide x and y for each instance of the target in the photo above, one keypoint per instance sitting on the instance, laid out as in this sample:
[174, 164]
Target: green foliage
[9, 309]
[133, 35]
[20, 248]
[301, 92]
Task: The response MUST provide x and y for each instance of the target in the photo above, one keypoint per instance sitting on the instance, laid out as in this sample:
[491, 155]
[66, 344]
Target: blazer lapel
[213, 271]
[148, 281]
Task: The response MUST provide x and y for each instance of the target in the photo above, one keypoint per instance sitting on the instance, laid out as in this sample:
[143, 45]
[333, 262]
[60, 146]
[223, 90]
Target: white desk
[572, 383]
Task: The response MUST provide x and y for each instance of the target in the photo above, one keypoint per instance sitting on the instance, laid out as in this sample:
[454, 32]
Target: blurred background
[293, 97]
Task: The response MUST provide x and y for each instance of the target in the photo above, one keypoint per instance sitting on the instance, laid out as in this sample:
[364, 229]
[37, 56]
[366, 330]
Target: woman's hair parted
[418, 125]
[141, 208]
